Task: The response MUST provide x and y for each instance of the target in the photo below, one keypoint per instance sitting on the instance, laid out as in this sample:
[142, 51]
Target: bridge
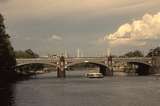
[106, 64]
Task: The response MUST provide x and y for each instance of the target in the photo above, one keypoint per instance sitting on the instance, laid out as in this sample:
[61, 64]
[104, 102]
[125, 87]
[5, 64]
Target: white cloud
[27, 38]
[138, 32]
[56, 37]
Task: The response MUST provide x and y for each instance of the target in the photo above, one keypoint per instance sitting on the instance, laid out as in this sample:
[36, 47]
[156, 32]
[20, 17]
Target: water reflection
[76, 90]
[6, 95]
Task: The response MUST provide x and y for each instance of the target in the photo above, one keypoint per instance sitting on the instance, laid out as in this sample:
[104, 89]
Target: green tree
[136, 53]
[30, 52]
[26, 54]
[7, 56]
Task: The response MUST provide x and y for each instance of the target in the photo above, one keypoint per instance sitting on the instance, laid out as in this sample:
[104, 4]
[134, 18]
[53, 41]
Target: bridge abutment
[103, 70]
[106, 71]
[156, 65]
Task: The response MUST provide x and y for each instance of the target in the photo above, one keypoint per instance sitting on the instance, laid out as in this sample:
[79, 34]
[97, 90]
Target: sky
[93, 26]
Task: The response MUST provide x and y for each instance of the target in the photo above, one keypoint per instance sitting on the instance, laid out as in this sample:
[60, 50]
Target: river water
[76, 90]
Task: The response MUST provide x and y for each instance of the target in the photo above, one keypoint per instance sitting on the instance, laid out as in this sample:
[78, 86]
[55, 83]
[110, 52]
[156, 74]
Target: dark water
[76, 90]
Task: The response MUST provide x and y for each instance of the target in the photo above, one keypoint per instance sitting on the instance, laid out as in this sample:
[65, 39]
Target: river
[76, 90]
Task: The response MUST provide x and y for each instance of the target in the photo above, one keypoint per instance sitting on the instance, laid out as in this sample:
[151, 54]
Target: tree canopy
[7, 56]
[26, 54]
[136, 53]
[154, 52]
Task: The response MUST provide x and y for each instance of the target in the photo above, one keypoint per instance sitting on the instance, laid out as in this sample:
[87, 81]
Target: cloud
[56, 37]
[40, 8]
[28, 38]
[79, 22]
[4, 0]
[138, 32]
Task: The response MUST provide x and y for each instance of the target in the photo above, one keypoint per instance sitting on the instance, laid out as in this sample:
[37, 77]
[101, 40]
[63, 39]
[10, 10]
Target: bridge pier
[61, 73]
[105, 71]
[109, 70]
[156, 65]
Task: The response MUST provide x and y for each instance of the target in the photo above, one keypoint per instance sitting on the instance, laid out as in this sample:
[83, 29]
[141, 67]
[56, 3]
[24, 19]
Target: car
[94, 75]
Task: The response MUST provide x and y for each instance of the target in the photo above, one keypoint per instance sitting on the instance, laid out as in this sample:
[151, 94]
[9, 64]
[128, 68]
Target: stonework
[156, 64]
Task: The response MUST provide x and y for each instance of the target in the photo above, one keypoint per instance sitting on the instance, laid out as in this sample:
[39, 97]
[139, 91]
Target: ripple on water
[47, 90]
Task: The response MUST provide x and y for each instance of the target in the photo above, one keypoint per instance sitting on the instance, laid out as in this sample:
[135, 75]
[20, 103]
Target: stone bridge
[106, 64]
[73, 60]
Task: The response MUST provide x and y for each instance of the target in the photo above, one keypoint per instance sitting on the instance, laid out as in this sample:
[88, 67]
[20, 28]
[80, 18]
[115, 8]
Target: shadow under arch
[51, 64]
[19, 66]
[103, 68]
[142, 69]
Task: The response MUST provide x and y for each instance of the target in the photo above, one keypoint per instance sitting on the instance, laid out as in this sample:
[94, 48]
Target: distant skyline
[93, 26]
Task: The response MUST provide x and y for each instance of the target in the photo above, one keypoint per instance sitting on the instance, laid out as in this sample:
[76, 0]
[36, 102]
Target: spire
[65, 53]
[108, 52]
[78, 52]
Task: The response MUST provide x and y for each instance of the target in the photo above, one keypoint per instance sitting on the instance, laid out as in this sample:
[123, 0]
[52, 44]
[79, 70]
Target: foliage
[7, 56]
[26, 54]
[154, 52]
[136, 53]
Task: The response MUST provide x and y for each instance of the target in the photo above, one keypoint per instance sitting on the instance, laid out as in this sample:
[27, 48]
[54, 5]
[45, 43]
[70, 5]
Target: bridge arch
[104, 69]
[32, 70]
[51, 64]
[87, 62]
[141, 62]
[143, 68]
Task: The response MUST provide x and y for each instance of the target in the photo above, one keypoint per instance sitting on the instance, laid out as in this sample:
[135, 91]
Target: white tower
[82, 55]
[78, 52]
[65, 53]
[108, 52]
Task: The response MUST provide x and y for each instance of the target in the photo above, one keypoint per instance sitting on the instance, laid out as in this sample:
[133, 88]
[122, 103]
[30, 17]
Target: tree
[26, 54]
[30, 52]
[154, 52]
[7, 56]
[136, 53]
